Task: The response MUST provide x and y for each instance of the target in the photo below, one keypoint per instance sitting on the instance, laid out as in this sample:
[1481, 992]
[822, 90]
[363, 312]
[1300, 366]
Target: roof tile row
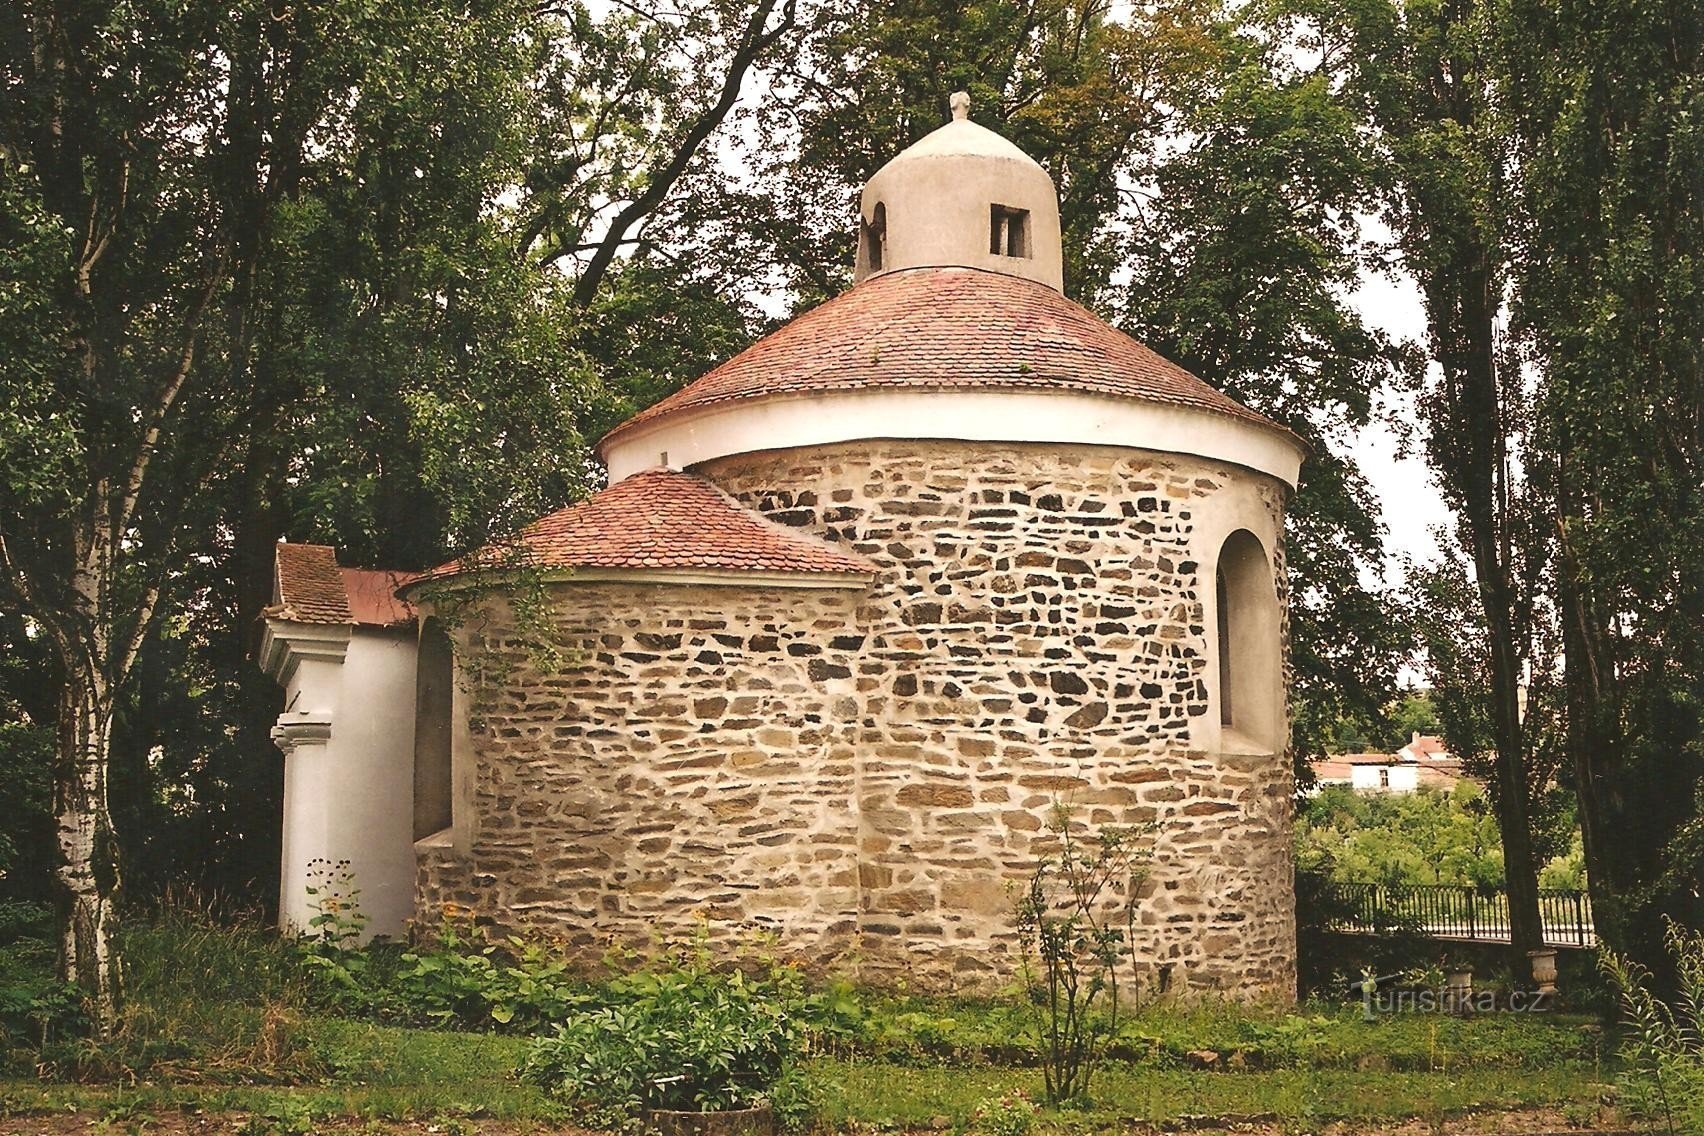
[948, 328]
[664, 519]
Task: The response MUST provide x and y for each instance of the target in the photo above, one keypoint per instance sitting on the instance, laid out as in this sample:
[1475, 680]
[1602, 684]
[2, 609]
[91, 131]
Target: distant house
[1423, 763]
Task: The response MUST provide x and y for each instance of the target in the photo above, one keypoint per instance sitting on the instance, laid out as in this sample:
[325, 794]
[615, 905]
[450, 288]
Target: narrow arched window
[1249, 645]
[1227, 689]
[874, 239]
[434, 694]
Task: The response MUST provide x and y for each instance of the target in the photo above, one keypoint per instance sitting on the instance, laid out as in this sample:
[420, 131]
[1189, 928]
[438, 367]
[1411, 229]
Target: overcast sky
[1408, 496]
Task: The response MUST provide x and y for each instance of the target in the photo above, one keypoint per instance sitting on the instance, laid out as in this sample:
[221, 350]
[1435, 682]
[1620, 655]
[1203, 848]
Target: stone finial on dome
[962, 196]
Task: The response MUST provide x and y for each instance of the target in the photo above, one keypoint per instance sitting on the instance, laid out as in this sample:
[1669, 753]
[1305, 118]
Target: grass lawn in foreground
[371, 1072]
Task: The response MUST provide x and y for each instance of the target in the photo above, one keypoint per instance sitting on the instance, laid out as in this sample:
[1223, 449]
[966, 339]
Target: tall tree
[146, 149]
[155, 157]
[1421, 72]
[383, 349]
[1604, 104]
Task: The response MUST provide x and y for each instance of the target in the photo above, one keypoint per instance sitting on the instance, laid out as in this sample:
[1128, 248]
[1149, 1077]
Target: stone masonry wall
[1036, 636]
[692, 768]
[871, 774]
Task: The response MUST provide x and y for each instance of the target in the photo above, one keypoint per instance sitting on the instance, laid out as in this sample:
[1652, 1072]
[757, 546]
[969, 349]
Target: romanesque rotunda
[857, 610]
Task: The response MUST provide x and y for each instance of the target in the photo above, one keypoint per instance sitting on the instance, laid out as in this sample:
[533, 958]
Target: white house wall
[349, 795]
[1403, 778]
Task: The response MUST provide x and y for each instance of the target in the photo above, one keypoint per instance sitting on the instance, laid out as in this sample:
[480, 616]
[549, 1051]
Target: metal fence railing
[1445, 911]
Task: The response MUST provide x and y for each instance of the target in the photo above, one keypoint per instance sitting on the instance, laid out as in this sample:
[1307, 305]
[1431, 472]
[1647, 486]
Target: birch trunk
[88, 853]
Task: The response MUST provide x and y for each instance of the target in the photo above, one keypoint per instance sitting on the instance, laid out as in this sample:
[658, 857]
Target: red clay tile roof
[313, 589]
[948, 327]
[1428, 745]
[663, 519]
[372, 596]
[310, 588]
[1369, 758]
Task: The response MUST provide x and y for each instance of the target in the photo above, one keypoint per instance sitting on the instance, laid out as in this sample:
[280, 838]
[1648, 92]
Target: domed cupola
[961, 196]
[958, 328]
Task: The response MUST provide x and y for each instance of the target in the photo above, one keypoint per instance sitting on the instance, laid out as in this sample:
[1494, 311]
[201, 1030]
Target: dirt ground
[1541, 1122]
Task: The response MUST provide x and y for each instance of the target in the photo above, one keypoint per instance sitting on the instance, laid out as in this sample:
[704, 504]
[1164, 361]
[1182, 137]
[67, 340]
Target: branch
[164, 401]
[753, 44]
[43, 613]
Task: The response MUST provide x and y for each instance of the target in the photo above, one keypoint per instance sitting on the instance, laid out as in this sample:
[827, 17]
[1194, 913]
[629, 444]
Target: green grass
[223, 1020]
[364, 1071]
[1315, 1036]
[381, 1072]
[885, 1095]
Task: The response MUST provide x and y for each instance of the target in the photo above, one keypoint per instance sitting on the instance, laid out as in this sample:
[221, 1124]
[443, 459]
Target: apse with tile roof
[862, 605]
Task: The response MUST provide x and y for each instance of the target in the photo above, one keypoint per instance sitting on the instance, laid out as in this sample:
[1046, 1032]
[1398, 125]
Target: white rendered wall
[1403, 778]
[351, 796]
[976, 415]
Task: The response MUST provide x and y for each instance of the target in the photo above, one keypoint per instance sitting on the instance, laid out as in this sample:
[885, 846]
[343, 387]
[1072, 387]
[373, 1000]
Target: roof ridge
[663, 518]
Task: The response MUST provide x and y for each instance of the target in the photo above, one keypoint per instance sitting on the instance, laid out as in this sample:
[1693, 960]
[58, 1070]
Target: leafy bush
[1074, 921]
[35, 1006]
[468, 980]
[461, 979]
[690, 1038]
[1011, 1114]
[1665, 1045]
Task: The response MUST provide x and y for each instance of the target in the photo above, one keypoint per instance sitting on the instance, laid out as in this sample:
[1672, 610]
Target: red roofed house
[1424, 763]
[857, 608]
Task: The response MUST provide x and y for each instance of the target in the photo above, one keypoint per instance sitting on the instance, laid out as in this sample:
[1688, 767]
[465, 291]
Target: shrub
[461, 978]
[1074, 921]
[1665, 1049]
[467, 979]
[690, 1038]
[1011, 1114]
[35, 1006]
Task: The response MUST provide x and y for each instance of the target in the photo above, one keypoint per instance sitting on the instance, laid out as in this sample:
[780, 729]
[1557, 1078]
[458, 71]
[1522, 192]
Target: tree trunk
[1590, 752]
[88, 854]
[1481, 474]
[1512, 800]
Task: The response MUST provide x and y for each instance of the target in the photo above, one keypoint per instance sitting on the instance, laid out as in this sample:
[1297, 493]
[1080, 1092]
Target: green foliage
[331, 947]
[1073, 921]
[689, 1038]
[460, 978]
[1384, 730]
[465, 979]
[1602, 105]
[1009, 1114]
[35, 1007]
[1665, 1041]
[1424, 837]
[221, 1020]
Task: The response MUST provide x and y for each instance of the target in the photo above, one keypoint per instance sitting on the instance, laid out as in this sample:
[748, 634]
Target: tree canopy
[379, 277]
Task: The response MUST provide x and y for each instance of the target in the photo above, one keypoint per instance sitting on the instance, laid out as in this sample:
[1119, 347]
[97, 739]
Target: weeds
[687, 1038]
[1073, 920]
[1665, 1053]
